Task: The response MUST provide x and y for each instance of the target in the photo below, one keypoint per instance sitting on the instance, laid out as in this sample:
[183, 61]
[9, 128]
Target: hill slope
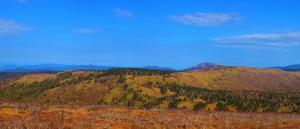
[242, 78]
[226, 88]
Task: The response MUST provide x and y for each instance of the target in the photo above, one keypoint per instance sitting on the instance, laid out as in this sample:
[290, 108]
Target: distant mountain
[50, 68]
[158, 68]
[204, 66]
[58, 68]
[86, 67]
[7, 75]
[295, 67]
[6, 67]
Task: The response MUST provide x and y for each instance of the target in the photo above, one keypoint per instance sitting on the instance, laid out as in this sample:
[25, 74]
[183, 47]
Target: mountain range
[295, 67]
[59, 67]
[50, 68]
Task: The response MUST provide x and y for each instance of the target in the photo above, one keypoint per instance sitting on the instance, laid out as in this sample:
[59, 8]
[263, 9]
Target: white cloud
[206, 19]
[87, 31]
[123, 13]
[287, 39]
[8, 27]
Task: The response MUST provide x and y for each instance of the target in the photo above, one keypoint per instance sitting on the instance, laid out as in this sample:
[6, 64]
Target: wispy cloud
[287, 39]
[87, 31]
[206, 19]
[8, 27]
[123, 13]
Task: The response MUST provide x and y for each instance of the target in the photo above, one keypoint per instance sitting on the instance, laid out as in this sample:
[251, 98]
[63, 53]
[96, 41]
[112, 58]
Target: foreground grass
[24, 116]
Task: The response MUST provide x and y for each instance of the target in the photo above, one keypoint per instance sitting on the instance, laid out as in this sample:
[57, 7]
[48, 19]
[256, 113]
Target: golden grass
[241, 78]
[14, 116]
[164, 105]
[115, 92]
[35, 78]
[82, 93]
[211, 107]
[152, 92]
[81, 73]
[186, 105]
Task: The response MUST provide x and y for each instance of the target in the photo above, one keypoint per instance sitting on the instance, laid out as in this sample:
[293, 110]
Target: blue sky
[170, 33]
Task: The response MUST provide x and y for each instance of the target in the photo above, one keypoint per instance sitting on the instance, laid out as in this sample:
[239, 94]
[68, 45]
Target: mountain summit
[204, 66]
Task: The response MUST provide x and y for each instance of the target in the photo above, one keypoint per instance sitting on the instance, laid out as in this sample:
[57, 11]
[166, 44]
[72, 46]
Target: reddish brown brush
[22, 116]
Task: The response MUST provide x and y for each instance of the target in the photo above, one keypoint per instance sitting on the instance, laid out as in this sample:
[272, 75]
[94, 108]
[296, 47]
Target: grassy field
[30, 116]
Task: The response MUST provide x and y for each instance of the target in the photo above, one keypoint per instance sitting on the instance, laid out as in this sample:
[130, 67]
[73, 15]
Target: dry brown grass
[241, 78]
[24, 116]
[35, 78]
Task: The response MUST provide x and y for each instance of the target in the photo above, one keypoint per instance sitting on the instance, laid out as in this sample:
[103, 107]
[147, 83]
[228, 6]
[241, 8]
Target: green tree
[163, 90]
[221, 106]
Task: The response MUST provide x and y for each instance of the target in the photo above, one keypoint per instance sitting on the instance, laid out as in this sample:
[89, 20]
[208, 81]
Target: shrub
[221, 106]
[199, 106]
[163, 90]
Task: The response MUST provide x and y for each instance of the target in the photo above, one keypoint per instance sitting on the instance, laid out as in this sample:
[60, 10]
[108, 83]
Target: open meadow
[30, 116]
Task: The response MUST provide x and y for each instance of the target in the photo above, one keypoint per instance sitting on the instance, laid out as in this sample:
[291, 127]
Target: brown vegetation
[222, 89]
[21, 116]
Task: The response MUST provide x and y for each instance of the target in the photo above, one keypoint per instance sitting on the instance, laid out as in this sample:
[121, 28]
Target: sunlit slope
[242, 78]
[227, 78]
[238, 78]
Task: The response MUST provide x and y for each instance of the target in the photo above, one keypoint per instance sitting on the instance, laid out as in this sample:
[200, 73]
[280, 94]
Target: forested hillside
[222, 89]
